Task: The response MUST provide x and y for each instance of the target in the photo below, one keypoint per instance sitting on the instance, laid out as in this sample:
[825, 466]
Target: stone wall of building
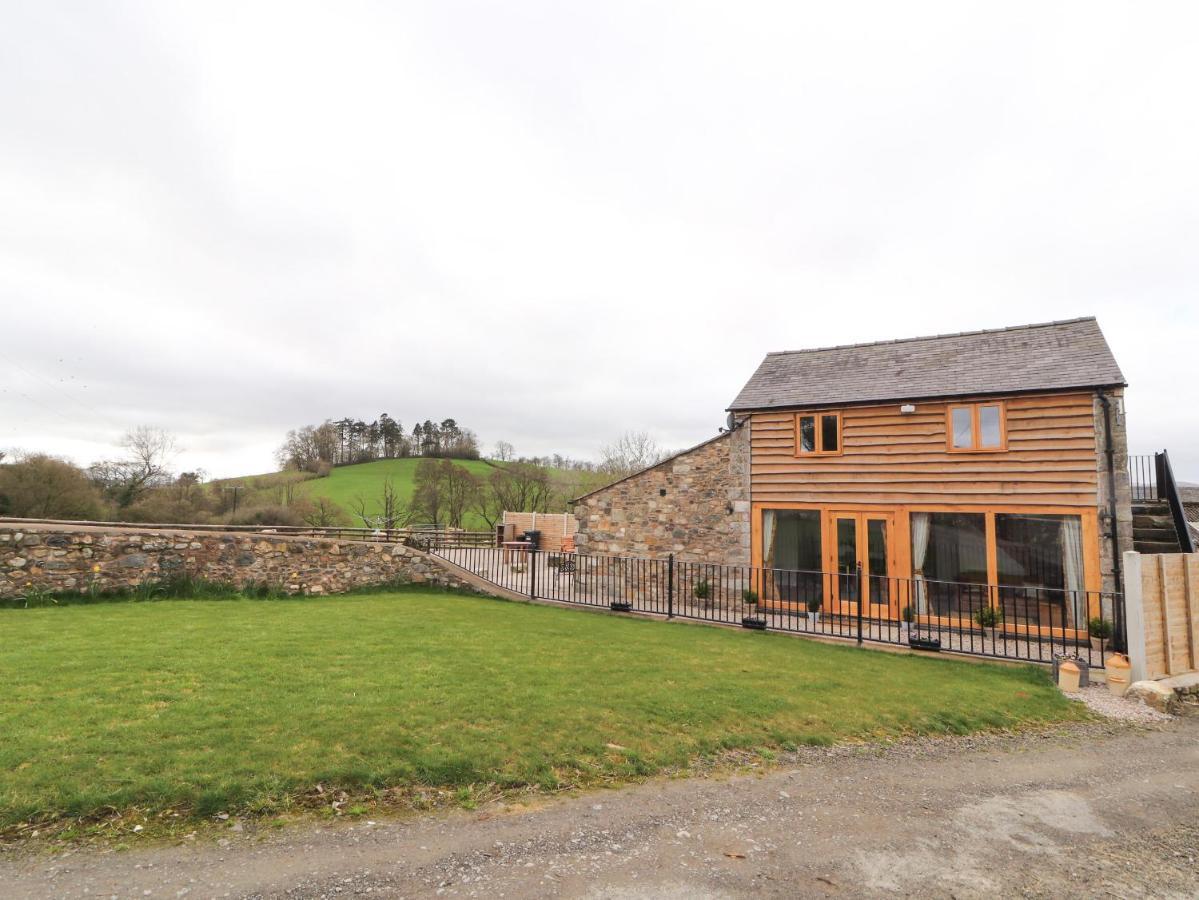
[47, 558]
[694, 505]
[1119, 425]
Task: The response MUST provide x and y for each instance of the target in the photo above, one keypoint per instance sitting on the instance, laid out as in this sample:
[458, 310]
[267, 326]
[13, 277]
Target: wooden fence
[1163, 613]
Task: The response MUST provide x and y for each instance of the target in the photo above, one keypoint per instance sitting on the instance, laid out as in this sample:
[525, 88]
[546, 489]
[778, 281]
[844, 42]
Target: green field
[345, 483]
[244, 706]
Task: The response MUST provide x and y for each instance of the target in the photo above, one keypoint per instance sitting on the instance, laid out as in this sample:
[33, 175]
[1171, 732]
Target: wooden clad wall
[892, 458]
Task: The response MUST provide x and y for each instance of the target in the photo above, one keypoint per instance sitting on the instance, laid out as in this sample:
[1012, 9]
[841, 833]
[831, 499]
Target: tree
[503, 451]
[321, 512]
[629, 453]
[148, 454]
[427, 494]
[521, 487]
[386, 510]
[39, 486]
[460, 487]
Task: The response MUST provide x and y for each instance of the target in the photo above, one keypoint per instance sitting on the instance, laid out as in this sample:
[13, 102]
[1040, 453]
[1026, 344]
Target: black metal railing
[1018, 622]
[1169, 489]
[1143, 476]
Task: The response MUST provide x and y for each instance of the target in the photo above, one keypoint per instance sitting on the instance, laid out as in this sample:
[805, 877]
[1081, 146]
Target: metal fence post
[532, 574]
[670, 586]
[861, 601]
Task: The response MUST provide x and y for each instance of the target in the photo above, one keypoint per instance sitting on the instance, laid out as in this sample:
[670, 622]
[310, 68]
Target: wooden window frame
[976, 427]
[800, 453]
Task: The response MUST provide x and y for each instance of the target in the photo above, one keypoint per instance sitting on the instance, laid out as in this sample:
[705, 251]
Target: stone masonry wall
[44, 557]
[1123, 487]
[694, 505]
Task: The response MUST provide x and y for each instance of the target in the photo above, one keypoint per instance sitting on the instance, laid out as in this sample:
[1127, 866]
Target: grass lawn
[243, 705]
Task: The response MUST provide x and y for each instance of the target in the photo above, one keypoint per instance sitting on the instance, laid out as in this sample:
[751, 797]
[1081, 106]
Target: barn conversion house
[995, 458]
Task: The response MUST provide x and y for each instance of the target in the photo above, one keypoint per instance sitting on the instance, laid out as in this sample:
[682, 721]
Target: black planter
[621, 606]
[924, 643]
[755, 622]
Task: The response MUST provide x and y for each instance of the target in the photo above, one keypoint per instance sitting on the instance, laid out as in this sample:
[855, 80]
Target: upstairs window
[976, 426]
[817, 434]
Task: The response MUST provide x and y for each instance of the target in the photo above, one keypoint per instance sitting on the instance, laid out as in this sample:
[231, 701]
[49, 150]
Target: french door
[867, 538]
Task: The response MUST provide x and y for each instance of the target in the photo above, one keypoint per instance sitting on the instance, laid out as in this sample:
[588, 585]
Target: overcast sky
[557, 221]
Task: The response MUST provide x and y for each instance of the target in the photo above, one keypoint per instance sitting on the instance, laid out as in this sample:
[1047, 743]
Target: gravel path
[1097, 810]
[1102, 701]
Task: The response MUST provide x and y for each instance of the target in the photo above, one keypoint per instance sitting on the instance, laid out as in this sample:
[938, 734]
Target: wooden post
[1192, 605]
[1168, 653]
[1134, 616]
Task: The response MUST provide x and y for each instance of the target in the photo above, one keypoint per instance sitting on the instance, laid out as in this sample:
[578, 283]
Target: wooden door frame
[902, 553]
[862, 517]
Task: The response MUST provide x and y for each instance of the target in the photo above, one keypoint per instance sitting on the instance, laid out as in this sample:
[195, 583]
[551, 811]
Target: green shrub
[989, 617]
[814, 604]
[907, 615]
[702, 589]
[748, 597]
[1100, 628]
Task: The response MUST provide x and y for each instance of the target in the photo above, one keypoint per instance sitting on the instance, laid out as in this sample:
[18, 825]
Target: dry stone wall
[694, 505]
[81, 559]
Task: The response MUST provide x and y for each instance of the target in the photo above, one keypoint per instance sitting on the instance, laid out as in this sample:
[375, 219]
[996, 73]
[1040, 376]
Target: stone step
[1154, 534]
[1155, 521]
[1156, 546]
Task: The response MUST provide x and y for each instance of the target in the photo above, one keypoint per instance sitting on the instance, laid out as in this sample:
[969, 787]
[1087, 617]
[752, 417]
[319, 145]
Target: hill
[347, 483]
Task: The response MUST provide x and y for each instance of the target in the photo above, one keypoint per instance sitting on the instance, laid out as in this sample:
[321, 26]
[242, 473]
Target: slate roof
[1048, 356]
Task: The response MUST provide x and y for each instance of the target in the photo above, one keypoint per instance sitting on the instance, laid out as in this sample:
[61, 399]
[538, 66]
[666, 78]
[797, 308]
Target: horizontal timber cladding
[889, 457]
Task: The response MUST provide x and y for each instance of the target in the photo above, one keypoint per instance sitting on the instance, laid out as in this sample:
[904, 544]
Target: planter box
[920, 642]
[755, 622]
[621, 606]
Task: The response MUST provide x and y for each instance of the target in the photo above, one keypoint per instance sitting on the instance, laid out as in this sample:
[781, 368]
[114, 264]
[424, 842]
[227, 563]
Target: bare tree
[459, 486]
[388, 510]
[149, 453]
[629, 453]
[321, 512]
[503, 451]
[521, 487]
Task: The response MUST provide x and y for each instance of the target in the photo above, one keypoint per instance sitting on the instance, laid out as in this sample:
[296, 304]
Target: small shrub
[814, 604]
[989, 617]
[34, 596]
[748, 597]
[907, 615]
[702, 589]
[1100, 628]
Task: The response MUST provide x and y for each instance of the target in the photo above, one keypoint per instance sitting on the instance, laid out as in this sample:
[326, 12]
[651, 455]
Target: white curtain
[1072, 568]
[768, 539]
[921, 527]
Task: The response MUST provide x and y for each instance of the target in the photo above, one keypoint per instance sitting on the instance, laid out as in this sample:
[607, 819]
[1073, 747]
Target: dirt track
[1039, 815]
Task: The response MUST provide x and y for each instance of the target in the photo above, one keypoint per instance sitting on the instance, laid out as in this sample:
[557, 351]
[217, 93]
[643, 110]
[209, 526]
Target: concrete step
[1154, 534]
[1154, 521]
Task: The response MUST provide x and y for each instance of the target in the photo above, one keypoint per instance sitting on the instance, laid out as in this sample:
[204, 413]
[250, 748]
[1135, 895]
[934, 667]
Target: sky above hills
[555, 222]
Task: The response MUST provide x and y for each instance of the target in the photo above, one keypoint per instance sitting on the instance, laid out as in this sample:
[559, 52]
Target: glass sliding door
[949, 564]
[1040, 569]
[793, 550]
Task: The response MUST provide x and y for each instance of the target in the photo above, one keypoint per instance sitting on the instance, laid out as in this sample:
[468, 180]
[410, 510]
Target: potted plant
[749, 598]
[702, 591]
[989, 618]
[907, 616]
[814, 604]
[1100, 630]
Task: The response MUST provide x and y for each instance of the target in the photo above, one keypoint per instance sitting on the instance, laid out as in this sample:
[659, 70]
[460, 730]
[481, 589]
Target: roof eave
[908, 398]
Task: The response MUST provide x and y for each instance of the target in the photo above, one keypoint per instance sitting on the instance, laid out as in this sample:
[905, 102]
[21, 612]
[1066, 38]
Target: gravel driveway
[1098, 810]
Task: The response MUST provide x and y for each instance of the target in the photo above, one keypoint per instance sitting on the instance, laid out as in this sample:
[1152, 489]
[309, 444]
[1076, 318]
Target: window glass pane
[1040, 568]
[847, 557]
[989, 434]
[952, 557]
[876, 539]
[828, 434]
[807, 434]
[963, 426]
[797, 557]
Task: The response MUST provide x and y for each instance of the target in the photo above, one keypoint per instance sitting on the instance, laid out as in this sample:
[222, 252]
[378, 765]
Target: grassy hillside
[346, 483]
